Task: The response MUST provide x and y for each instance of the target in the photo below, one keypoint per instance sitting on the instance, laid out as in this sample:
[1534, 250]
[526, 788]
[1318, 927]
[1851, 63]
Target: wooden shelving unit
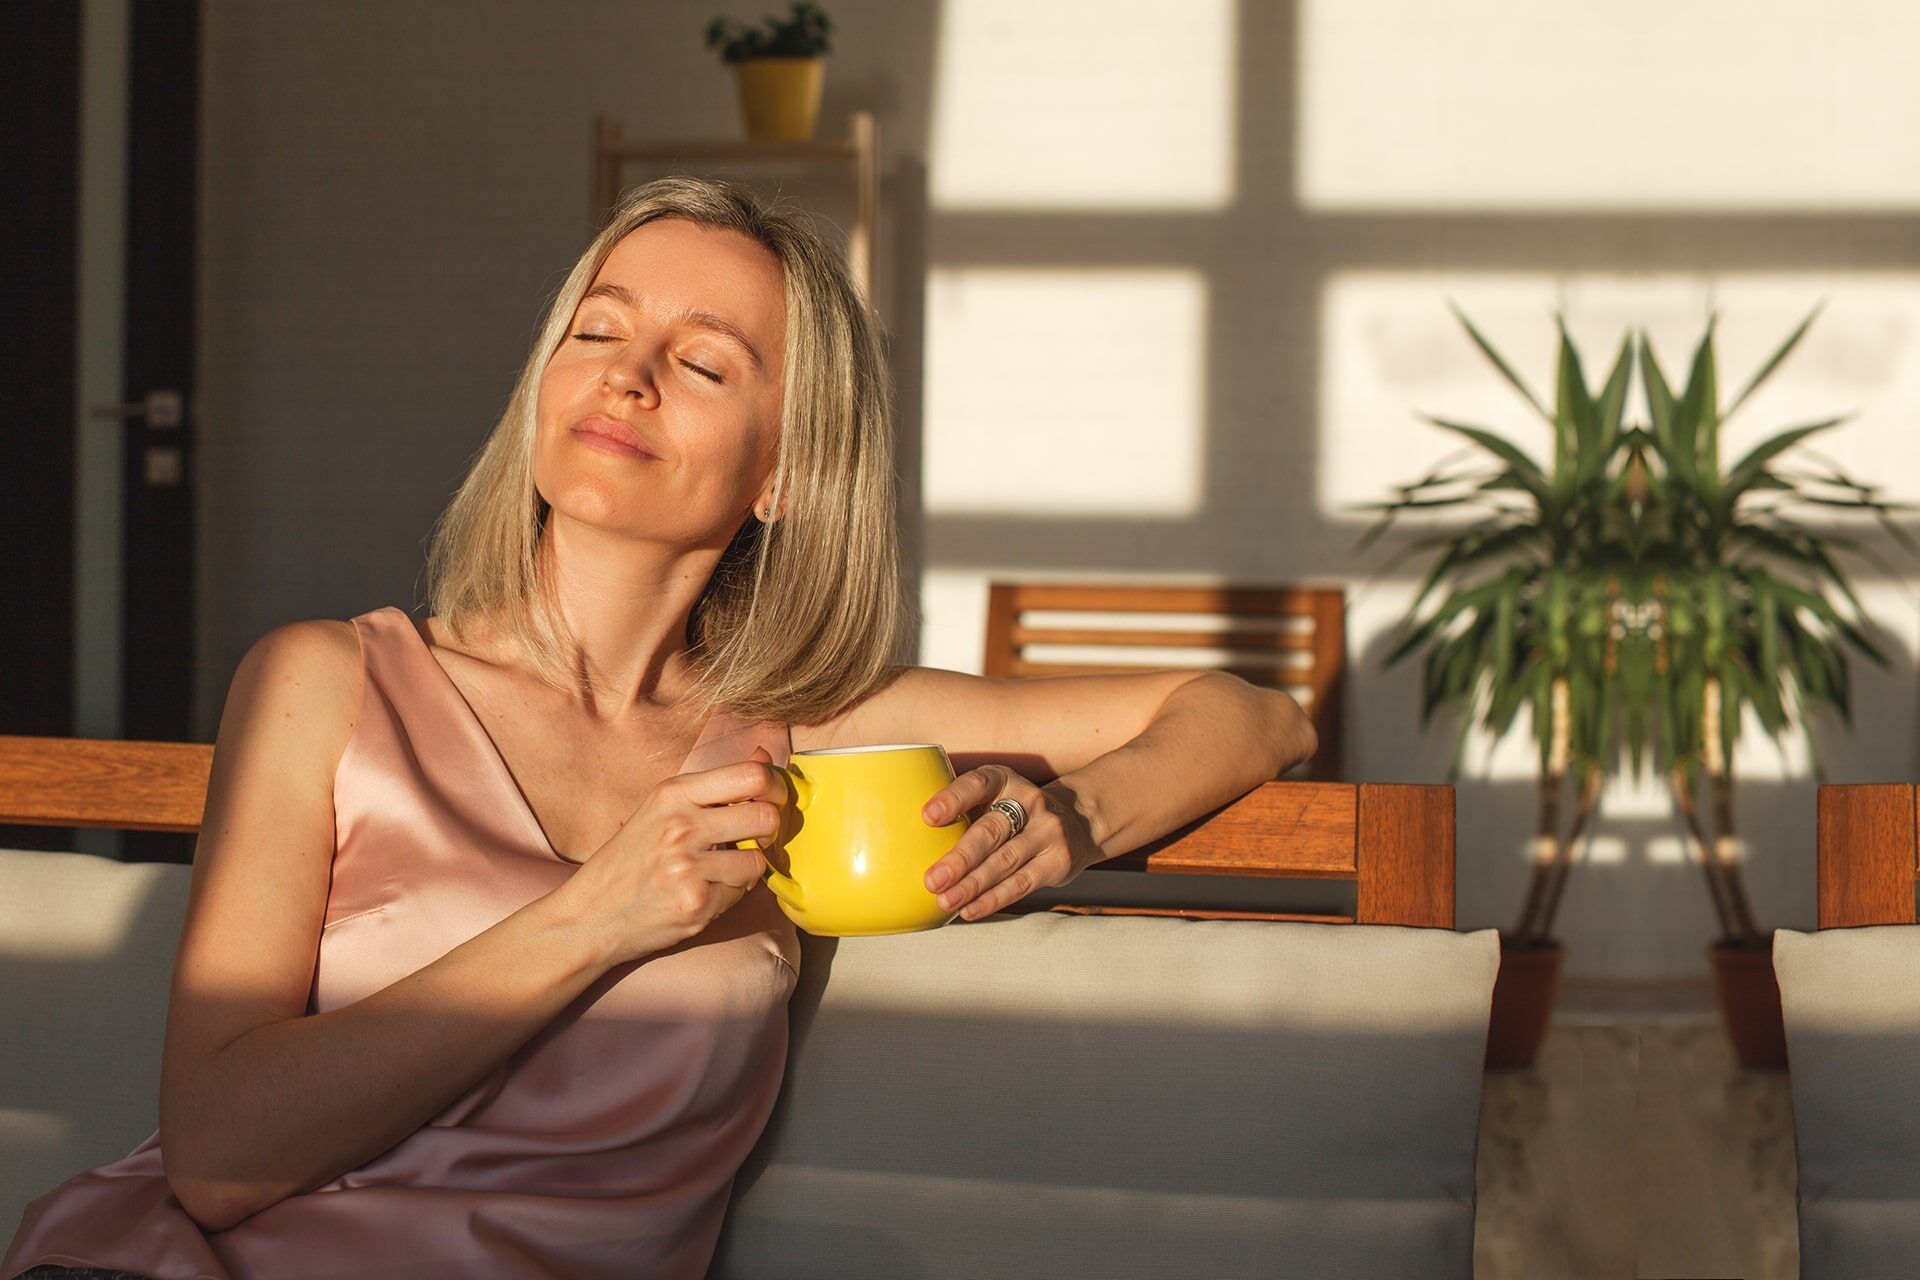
[859, 151]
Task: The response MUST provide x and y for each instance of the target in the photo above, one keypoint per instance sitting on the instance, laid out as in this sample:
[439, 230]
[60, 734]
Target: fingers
[989, 833]
[749, 779]
[985, 864]
[971, 789]
[747, 819]
[1036, 870]
[736, 867]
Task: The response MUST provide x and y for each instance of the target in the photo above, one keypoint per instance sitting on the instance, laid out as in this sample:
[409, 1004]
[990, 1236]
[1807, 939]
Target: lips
[612, 436]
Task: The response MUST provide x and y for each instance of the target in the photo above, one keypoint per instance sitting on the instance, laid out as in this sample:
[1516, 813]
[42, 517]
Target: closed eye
[608, 337]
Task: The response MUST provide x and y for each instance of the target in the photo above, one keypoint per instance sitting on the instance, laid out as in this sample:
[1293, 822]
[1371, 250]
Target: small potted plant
[1522, 608]
[780, 67]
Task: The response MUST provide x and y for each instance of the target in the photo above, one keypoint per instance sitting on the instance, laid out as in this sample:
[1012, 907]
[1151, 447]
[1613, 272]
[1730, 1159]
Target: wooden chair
[1869, 853]
[1305, 653]
[1394, 840]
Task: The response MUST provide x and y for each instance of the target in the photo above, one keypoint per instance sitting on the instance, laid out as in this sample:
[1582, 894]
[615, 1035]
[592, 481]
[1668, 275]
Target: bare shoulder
[313, 660]
[300, 684]
[325, 644]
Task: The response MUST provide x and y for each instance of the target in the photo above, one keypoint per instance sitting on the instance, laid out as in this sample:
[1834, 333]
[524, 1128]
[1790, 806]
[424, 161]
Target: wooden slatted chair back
[1280, 637]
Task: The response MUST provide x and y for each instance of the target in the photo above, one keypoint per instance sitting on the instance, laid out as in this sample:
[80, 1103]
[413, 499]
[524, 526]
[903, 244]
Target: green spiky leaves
[1635, 564]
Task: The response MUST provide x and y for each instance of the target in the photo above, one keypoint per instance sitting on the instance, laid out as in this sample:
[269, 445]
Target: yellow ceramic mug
[858, 863]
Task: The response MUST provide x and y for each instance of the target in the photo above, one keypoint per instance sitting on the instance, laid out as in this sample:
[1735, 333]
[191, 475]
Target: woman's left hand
[987, 870]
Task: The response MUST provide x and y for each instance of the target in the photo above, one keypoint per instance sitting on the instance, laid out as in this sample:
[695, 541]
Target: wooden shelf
[722, 150]
[859, 150]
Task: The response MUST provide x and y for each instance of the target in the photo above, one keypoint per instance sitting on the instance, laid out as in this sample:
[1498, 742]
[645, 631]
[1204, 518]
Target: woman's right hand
[660, 879]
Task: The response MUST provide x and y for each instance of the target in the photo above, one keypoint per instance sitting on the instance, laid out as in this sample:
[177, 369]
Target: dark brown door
[157, 481]
[96, 395]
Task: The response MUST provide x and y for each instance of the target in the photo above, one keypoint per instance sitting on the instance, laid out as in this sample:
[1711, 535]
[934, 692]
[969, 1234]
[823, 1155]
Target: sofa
[1058, 1092]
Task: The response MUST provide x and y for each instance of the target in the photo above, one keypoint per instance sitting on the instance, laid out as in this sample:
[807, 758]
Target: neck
[623, 606]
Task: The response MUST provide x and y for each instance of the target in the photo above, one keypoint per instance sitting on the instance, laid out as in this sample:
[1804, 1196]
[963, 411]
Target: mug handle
[786, 888]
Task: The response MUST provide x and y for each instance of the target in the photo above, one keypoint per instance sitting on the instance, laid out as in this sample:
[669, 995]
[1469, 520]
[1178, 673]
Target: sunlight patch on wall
[1060, 106]
[953, 619]
[1392, 351]
[1603, 851]
[1667, 851]
[1512, 104]
[1064, 392]
[24, 1130]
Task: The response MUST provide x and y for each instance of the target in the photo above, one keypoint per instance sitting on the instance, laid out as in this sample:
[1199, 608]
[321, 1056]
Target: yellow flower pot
[780, 97]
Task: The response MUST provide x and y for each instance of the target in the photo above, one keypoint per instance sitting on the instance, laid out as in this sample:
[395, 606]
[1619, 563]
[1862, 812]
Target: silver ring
[1015, 811]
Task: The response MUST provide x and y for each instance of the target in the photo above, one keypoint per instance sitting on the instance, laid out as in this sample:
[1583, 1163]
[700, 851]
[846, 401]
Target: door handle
[160, 409]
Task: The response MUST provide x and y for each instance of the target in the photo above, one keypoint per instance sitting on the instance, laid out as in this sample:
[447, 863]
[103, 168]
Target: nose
[630, 374]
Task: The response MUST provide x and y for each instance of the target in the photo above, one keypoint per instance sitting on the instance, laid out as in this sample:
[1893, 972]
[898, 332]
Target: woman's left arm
[1213, 739]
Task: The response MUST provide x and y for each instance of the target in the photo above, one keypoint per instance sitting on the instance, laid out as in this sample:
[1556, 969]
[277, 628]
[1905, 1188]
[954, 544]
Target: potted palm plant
[1531, 615]
[1749, 611]
[780, 67]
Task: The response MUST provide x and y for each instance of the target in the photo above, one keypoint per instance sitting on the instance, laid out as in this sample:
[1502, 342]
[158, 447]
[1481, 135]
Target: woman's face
[678, 348]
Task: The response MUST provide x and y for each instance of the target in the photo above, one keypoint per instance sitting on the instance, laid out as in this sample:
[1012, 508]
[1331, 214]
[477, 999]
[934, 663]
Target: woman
[473, 979]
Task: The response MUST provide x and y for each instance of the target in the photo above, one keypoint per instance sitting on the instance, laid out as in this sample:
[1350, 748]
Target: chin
[589, 500]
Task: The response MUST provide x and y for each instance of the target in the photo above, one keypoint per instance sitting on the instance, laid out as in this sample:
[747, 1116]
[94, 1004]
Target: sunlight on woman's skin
[635, 539]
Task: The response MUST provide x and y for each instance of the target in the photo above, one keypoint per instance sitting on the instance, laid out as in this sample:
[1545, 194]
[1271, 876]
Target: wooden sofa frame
[1869, 853]
[1395, 840]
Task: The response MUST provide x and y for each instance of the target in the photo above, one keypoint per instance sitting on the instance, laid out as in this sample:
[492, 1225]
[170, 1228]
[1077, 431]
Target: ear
[764, 509]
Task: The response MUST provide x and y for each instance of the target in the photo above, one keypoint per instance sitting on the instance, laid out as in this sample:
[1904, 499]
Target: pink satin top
[605, 1146]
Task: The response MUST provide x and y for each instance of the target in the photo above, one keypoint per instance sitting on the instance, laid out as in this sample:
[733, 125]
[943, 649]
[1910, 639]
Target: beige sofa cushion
[86, 961]
[1067, 1096]
[1851, 999]
[1045, 1095]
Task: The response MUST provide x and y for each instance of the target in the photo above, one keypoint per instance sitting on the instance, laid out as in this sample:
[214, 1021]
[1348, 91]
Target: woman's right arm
[260, 1101]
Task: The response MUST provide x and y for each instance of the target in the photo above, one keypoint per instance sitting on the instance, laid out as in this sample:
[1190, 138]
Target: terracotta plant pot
[1750, 1003]
[780, 97]
[1522, 1002]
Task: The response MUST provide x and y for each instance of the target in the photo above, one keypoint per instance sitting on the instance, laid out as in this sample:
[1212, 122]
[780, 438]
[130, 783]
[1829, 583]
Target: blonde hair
[802, 617]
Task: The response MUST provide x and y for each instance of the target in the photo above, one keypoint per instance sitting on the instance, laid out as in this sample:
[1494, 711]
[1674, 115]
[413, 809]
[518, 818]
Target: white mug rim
[879, 746]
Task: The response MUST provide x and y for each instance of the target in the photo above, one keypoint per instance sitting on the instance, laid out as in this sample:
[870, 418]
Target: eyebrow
[693, 316]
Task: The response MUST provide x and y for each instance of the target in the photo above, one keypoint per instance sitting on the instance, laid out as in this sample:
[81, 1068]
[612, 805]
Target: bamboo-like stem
[1709, 865]
[1744, 929]
[1557, 878]
[1545, 851]
[1541, 859]
[1725, 852]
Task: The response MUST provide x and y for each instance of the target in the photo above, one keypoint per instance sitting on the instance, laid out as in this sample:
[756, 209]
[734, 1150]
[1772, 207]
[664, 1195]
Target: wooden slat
[722, 149]
[1181, 913]
[1329, 684]
[1868, 854]
[1258, 641]
[1396, 840]
[97, 782]
[1404, 849]
[1263, 602]
[1301, 829]
[1001, 652]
